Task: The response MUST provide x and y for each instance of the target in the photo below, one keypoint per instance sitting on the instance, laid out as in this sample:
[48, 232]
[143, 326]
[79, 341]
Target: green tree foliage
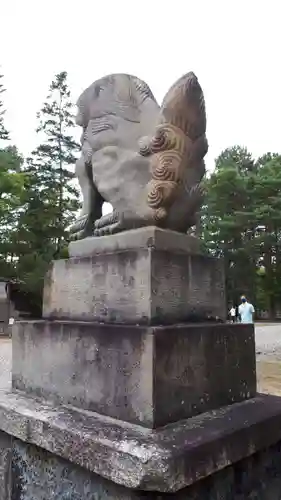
[4, 134]
[267, 209]
[11, 190]
[241, 222]
[51, 197]
[54, 156]
[228, 219]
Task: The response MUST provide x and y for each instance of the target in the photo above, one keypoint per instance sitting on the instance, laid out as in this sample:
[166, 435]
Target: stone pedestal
[136, 410]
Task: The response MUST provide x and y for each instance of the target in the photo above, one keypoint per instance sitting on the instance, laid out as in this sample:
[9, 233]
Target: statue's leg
[92, 202]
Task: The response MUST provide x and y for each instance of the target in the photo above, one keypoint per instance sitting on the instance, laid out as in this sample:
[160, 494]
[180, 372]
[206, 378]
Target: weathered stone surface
[5, 463]
[143, 238]
[146, 161]
[40, 475]
[166, 460]
[36, 473]
[163, 281]
[145, 375]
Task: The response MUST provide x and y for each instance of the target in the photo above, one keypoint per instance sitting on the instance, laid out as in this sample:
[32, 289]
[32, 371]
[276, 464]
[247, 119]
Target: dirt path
[5, 362]
[269, 376]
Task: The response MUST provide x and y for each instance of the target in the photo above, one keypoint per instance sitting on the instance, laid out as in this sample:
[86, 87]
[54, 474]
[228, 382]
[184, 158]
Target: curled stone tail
[178, 146]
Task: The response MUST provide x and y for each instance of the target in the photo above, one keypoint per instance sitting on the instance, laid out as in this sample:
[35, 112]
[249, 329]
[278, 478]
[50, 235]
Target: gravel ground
[268, 341]
[5, 362]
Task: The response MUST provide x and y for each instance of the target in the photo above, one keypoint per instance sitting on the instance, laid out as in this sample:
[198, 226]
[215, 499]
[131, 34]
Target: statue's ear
[141, 89]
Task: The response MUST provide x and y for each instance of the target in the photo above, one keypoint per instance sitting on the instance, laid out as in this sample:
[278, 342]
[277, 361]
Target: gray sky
[233, 47]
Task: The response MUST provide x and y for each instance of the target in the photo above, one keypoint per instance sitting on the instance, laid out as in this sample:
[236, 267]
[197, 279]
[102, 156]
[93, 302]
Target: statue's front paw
[107, 224]
[81, 228]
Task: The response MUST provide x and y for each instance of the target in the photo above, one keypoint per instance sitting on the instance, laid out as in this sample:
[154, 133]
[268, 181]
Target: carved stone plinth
[146, 276]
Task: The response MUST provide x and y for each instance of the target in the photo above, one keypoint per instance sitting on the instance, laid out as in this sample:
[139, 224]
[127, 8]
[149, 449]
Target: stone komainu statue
[145, 160]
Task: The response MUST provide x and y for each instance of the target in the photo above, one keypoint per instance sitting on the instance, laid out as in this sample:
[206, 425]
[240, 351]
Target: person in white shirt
[232, 313]
[246, 311]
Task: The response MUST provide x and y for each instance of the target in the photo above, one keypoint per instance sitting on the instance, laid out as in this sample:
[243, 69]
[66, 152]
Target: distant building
[15, 303]
[6, 308]
[22, 302]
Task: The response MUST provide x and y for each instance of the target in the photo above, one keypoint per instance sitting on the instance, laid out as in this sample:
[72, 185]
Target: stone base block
[254, 477]
[233, 453]
[145, 375]
[145, 276]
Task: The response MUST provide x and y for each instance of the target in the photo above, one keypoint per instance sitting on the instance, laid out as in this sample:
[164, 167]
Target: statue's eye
[98, 90]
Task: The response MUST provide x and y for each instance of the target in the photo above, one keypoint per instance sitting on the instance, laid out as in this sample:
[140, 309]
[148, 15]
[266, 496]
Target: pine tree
[228, 220]
[10, 166]
[266, 200]
[4, 134]
[11, 190]
[51, 199]
[49, 165]
[241, 223]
